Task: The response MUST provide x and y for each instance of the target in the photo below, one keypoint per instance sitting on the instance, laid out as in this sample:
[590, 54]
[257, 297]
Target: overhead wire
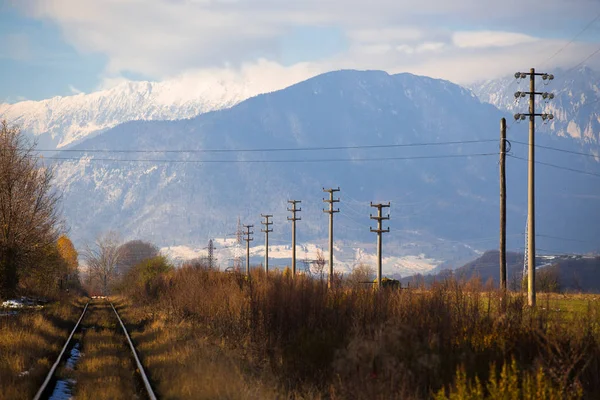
[573, 39]
[557, 149]
[441, 156]
[555, 166]
[314, 148]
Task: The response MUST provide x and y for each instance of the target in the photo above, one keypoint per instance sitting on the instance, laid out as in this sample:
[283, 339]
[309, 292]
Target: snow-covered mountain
[444, 197]
[576, 106]
[63, 121]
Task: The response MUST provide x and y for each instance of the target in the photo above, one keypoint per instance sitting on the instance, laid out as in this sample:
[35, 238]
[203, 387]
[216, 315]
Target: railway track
[96, 337]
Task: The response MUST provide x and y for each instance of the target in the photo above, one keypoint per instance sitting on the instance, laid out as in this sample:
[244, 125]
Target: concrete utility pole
[294, 210]
[266, 223]
[503, 204]
[379, 231]
[331, 211]
[248, 239]
[531, 174]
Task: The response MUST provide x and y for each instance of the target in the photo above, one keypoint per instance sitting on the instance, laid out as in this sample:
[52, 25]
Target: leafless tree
[133, 253]
[102, 259]
[318, 265]
[29, 218]
[361, 275]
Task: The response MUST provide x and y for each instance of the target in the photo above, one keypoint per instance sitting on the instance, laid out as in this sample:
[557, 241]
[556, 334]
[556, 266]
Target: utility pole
[266, 223]
[331, 211]
[502, 204]
[294, 210]
[531, 173]
[379, 231]
[248, 239]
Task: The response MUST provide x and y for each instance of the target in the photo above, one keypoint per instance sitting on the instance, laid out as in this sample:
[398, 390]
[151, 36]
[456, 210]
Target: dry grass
[183, 363]
[106, 369]
[278, 337]
[29, 345]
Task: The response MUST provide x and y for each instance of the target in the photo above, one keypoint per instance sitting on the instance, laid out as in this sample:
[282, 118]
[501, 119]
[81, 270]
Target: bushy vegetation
[451, 341]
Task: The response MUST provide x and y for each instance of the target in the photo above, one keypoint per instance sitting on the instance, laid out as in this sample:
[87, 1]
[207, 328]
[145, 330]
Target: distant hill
[573, 273]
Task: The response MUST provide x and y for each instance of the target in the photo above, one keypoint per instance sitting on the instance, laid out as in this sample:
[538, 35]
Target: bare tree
[360, 275]
[102, 259]
[318, 265]
[29, 219]
[133, 253]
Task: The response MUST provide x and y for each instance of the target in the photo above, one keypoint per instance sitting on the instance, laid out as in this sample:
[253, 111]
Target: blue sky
[61, 47]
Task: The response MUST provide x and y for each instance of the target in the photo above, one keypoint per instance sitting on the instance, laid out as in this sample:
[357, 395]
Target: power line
[584, 60]
[573, 39]
[376, 146]
[557, 149]
[557, 166]
[271, 161]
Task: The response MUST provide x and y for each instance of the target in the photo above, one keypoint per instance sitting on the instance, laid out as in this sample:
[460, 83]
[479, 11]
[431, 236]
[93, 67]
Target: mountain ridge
[441, 207]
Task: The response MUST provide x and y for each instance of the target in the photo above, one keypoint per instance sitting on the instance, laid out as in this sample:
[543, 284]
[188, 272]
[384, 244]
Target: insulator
[517, 95]
[517, 117]
[523, 75]
[522, 117]
[551, 96]
[551, 77]
[517, 75]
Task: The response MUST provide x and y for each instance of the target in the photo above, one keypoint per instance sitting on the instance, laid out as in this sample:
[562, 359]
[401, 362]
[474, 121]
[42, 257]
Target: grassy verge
[29, 345]
[273, 336]
[183, 362]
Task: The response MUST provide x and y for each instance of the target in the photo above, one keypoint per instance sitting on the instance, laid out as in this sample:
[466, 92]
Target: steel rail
[60, 356]
[137, 360]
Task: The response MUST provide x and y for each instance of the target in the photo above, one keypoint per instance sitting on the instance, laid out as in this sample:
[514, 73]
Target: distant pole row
[331, 211]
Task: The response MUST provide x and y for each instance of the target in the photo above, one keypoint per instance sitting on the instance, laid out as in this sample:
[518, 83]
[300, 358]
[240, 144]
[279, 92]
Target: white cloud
[74, 90]
[390, 34]
[486, 39]
[190, 41]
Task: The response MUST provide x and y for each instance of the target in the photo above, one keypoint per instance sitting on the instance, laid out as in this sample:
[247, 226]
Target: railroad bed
[98, 360]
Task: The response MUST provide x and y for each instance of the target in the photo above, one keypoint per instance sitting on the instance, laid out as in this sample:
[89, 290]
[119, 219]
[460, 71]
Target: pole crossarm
[544, 75]
[266, 223]
[248, 232]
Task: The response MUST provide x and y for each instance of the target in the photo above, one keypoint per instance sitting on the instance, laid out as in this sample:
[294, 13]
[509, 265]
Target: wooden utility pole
[266, 223]
[331, 211]
[294, 210]
[502, 204]
[531, 172]
[379, 232]
[248, 239]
